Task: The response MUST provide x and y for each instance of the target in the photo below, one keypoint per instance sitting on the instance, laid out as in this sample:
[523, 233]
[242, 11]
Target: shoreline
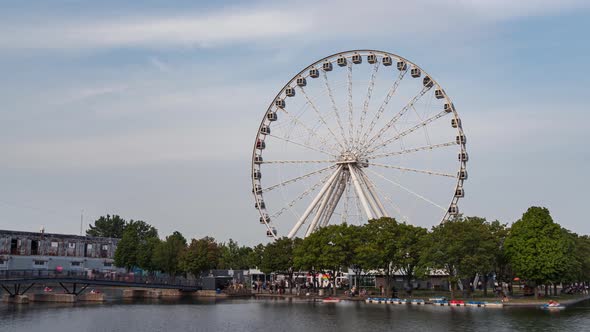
[516, 304]
[118, 294]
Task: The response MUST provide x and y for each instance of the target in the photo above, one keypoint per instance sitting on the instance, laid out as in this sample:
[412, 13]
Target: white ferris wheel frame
[350, 171]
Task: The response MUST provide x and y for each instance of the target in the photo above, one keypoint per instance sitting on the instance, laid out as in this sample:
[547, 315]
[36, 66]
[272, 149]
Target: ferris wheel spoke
[407, 151]
[293, 180]
[323, 140]
[372, 193]
[407, 132]
[356, 181]
[321, 117]
[298, 161]
[344, 215]
[367, 101]
[334, 107]
[408, 190]
[383, 106]
[314, 203]
[350, 105]
[395, 207]
[414, 170]
[300, 197]
[335, 200]
[398, 115]
[323, 204]
[302, 145]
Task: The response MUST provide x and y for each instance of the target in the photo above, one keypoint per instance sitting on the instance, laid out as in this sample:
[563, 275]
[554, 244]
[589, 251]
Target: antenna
[81, 220]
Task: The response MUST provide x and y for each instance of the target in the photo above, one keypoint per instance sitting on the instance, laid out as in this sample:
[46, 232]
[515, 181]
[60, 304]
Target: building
[30, 250]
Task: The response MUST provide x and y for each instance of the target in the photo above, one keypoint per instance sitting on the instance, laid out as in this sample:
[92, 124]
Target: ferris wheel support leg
[335, 199]
[374, 195]
[314, 203]
[368, 195]
[322, 208]
[360, 193]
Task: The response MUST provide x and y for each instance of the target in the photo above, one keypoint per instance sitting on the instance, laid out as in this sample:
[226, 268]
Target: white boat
[494, 304]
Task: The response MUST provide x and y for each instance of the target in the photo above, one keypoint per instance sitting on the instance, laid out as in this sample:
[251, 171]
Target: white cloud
[153, 32]
[305, 20]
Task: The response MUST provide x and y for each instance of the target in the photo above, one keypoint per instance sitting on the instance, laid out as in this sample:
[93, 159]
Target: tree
[166, 255]
[330, 248]
[462, 247]
[233, 256]
[256, 255]
[134, 239]
[377, 247]
[582, 254]
[201, 255]
[145, 254]
[408, 251]
[501, 265]
[109, 226]
[278, 256]
[538, 249]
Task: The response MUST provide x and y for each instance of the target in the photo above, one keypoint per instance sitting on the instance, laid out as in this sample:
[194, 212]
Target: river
[283, 315]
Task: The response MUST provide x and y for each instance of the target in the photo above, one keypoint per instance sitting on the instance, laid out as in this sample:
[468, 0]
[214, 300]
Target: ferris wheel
[354, 136]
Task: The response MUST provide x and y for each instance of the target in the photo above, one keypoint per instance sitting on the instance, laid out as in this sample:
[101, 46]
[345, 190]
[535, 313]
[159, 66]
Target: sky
[149, 110]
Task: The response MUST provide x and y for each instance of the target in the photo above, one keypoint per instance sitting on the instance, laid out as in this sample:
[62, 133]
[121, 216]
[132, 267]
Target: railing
[115, 277]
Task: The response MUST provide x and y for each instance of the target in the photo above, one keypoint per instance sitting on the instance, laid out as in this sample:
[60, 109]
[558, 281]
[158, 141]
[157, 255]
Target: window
[89, 246]
[105, 247]
[1, 262]
[106, 264]
[54, 244]
[39, 263]
[72, 245]
[76, 263]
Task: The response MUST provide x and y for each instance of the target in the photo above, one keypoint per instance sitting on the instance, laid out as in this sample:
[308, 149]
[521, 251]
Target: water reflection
[281, 315]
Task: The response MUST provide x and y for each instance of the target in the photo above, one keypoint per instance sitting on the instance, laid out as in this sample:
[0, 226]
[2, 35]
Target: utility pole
[81, 221]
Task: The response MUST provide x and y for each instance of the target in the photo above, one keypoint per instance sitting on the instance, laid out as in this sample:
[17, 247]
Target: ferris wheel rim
[304, 73]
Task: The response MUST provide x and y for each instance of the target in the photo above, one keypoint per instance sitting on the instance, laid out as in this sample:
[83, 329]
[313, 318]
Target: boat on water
[439, 302]
[494, 304]
[331, 300]
[376, 300]
[476, 304]
[418, 301]
[457, 303]
[437, 298]
[400, 301]
[552, 305]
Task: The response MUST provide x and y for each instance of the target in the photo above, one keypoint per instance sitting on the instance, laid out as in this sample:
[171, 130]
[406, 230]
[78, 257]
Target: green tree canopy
[107, 226]
[538, 249]
[201, 255]
[330, 248]
[134, 240]
[145, 254]
[278, 255]
[166, 255]
[462, 247]
[234, 256]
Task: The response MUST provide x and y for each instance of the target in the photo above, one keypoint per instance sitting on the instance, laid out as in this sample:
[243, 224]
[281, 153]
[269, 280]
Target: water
[283, 315]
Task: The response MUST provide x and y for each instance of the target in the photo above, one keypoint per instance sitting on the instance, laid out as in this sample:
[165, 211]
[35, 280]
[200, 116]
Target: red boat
[331, 300]
[457, 303]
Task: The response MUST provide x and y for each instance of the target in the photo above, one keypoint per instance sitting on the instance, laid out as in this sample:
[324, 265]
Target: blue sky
[149, 110]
